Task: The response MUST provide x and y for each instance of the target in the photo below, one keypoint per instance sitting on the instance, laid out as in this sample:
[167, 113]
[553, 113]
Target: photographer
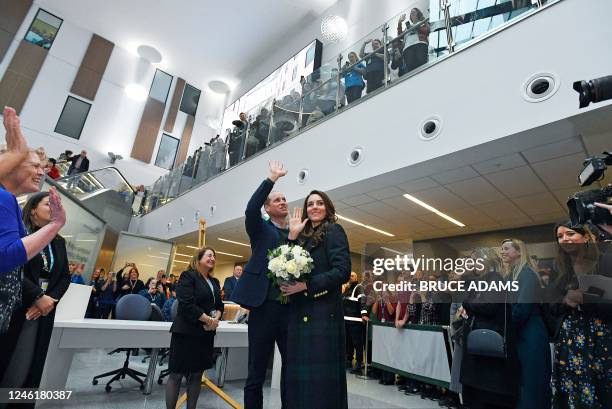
[154, 293]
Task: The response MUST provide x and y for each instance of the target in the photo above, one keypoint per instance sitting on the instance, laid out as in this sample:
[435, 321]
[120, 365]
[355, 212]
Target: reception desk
[70, 336]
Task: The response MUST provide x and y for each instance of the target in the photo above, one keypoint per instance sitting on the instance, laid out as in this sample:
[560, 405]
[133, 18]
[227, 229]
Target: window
[73, 117]
[166, 152]
[43, 29]
[160, 86]
[189, 102]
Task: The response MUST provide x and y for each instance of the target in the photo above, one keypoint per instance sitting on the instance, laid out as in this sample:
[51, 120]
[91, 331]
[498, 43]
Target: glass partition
[148, 254]
[406, 43]
[83, 232]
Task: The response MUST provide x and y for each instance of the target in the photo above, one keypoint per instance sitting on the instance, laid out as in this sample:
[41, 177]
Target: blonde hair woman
[532, 336]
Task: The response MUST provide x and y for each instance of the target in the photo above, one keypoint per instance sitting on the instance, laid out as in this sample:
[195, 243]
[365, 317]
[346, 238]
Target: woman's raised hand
[296, 224]
[58, 214]
[15, 141]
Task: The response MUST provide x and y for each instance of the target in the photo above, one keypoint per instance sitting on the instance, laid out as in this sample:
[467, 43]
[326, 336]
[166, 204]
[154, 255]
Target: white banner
[415, 351]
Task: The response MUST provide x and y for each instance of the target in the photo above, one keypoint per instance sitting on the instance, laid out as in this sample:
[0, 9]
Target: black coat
[84, 164]
[315, 373]
[195, 298]
[251, 290]
[486, 311]
[59, 280]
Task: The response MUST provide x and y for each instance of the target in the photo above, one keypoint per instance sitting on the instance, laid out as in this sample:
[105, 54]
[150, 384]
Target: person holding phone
[154, 292]
[106, 288]
[131, 285]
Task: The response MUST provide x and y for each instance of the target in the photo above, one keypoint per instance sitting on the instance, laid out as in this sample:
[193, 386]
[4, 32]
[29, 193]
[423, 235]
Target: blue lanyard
[44, 256]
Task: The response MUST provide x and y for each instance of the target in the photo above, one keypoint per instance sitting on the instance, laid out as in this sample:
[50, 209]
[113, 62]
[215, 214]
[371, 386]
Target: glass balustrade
[410, 41]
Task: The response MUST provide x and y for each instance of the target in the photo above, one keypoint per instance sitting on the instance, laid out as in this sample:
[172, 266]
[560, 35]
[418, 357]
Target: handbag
[486, 342]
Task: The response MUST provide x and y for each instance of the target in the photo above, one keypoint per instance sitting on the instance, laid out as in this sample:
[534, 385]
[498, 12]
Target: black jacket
[195, 298]
[84, 164]
[59, 279]
[487, 310]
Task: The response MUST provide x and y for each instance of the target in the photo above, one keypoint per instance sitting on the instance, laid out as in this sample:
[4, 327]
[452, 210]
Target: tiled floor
[126, 395]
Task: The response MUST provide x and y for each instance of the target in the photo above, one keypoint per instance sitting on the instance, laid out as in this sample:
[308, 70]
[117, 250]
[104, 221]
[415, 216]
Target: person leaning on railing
[375, 64]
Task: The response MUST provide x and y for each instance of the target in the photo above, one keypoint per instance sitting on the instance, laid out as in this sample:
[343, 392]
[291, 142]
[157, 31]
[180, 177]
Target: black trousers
[355, 340]
[353, 93]
[267, 325]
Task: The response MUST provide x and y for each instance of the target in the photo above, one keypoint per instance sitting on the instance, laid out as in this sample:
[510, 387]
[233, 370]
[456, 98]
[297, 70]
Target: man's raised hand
[277, 170]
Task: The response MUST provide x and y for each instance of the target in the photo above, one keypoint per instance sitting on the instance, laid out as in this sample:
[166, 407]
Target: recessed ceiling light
[136, 92]
[229, 254]
[219, 87]
[365, 225]
[434, 210]
[149, 53]
[235, 242]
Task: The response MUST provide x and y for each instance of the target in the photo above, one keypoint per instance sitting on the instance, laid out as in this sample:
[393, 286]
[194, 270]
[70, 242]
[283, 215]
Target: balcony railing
[406, 44]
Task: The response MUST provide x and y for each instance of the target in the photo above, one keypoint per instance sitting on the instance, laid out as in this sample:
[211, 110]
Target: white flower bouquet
[288, 263]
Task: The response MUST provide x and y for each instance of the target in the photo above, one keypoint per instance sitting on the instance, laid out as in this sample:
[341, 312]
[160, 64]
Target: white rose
[284, 249]
[301, 261]
[296, 251]
[273, 265]
[291, 267]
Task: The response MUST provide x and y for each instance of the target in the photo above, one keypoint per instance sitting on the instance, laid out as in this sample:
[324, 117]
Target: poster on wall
[43, 29]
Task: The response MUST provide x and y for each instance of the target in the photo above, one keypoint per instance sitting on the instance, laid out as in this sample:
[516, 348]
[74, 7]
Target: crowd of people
[554, 312]
[319, 94]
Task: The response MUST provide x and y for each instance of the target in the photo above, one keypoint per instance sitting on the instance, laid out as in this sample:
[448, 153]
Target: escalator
[106, 193]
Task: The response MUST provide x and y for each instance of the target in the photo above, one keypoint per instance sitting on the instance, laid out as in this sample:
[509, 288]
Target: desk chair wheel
[108, 388]
[94, 382]
[160, 381]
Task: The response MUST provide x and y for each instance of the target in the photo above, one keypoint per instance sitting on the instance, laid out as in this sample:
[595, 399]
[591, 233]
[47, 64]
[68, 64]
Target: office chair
[156, 315]
[131, 307]
[166, 372]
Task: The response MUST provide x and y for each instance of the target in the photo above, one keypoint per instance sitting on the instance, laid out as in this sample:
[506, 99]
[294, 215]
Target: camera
[581, 205]
[595, 90]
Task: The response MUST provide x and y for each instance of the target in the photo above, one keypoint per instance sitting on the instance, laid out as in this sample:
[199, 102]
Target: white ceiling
[495, 186]
[200, 40]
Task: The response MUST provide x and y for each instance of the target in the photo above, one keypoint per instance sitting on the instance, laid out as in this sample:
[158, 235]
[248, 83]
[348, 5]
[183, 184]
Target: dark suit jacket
[195, 298]
[252, 288]
[84, 164]
[59, 279]
[228, 286]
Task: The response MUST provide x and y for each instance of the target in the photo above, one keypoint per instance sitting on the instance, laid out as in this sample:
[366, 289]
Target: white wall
[113, 118]
[476, 93]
